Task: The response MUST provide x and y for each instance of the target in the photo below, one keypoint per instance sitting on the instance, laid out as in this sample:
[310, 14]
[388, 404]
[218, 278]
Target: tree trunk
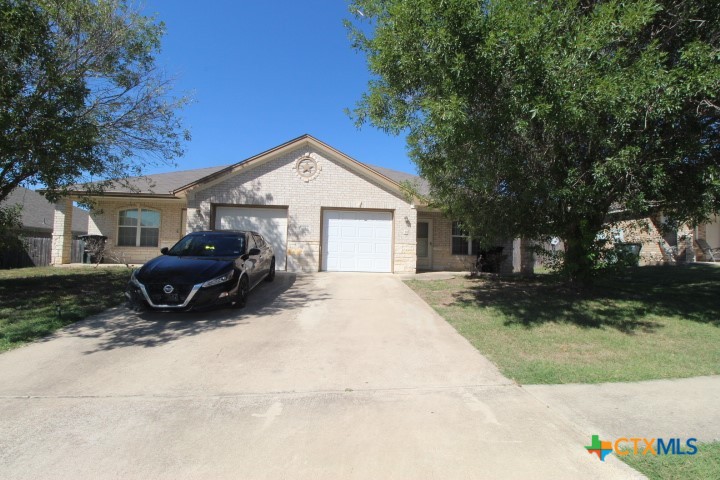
[578, 261]
[581, 251]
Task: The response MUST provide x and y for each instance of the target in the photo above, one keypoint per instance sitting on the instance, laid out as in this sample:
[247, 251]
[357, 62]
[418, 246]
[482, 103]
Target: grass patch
[703, 465]
[30, 297]
[647, 323]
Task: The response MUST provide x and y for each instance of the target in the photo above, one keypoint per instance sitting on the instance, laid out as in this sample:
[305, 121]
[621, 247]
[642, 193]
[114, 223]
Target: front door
[424, 244]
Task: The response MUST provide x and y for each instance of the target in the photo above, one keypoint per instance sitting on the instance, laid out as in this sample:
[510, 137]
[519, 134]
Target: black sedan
[201, 270]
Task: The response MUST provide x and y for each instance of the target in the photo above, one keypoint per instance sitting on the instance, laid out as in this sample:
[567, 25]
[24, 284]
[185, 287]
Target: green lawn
[705, 464]
[646, 323]
[30, 297]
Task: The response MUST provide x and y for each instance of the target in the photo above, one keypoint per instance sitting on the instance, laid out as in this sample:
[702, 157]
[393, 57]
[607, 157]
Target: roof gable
[178, 183]
[381, 177]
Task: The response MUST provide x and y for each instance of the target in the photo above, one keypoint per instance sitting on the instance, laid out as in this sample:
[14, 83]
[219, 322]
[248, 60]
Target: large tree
[536, 119]
[81, 96]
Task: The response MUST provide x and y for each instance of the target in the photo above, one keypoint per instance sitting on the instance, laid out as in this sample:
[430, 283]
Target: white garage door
[271, 223]
[357, 241]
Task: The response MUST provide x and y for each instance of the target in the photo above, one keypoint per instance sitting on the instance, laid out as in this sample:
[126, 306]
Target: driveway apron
[325, 376]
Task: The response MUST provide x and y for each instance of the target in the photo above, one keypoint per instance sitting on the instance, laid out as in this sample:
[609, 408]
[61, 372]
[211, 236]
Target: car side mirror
[164, 250]
[254, 251]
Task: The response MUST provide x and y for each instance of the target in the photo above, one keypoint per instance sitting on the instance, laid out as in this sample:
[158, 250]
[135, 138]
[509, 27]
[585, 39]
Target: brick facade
[62, 232]
[443, 258]
[277, 183]
[105, 222]
[646, 233]
[679, 246]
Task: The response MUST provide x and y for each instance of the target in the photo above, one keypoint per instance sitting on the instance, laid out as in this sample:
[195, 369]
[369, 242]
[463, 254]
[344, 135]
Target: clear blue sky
[262, 73]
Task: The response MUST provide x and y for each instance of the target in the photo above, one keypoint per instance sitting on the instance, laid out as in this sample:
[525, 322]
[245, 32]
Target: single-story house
[659, 247]
[319, 208]
[37, 216]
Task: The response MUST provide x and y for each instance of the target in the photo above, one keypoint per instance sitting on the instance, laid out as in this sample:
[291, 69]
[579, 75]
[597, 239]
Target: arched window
[138, 227]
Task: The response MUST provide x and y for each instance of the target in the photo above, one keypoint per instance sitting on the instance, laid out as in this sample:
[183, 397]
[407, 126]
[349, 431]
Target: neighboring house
[686, 244]
[320, 209]
[708, 246]
[37, 216]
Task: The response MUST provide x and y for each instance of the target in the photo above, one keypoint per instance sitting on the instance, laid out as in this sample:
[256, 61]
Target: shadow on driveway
[121, 327]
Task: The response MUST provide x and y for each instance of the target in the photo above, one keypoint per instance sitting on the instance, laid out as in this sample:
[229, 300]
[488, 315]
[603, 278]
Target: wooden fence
[37, 253]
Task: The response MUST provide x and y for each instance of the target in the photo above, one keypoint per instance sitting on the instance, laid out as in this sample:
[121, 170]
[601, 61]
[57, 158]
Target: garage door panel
[271, 223]
[366, 264]
[382, 248]
[365, 248]
[357, 241]
[346, 264]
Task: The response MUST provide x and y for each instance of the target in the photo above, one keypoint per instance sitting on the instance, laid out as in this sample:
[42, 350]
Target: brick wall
[644, 232]
[276, 182]
[105, 223]
[62, 233]
[442, 256]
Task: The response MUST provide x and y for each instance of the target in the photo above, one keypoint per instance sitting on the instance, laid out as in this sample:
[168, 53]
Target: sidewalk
[684, 408]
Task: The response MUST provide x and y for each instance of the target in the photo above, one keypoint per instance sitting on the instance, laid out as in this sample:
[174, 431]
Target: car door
[265, 257]
[253, 265]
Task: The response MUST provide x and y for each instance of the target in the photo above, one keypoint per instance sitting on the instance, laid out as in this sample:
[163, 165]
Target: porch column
[527, 257]
[62, 232]
[523, 260]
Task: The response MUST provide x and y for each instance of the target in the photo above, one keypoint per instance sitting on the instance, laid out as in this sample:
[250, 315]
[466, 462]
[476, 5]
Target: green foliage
[533, 119]
[10, 227]
[701, 466]
[60, 296]
[80, 95]
[542, 330]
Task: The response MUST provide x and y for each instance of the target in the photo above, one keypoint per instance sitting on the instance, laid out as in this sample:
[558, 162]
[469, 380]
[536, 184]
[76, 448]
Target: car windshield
[209, 246]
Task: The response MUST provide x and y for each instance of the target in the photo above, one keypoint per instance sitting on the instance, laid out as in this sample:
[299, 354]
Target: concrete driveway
[321, 376]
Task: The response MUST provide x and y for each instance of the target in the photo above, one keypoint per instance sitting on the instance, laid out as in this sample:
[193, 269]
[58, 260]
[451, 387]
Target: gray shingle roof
[420, 183]
[165, 183]
[162, 183]
[38, 213]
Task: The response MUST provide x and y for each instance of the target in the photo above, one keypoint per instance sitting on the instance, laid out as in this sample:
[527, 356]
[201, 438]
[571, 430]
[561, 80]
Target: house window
[138, 227]
[462, 243]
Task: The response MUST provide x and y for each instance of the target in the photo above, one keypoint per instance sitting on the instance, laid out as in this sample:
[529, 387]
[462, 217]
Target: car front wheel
[242, 293]
[271, 274]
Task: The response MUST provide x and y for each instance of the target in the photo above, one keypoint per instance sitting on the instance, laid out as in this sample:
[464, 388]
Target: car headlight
[221, 279]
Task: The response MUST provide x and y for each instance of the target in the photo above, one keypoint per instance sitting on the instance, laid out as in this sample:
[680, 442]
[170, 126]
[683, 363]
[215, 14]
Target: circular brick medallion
[307, 168]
